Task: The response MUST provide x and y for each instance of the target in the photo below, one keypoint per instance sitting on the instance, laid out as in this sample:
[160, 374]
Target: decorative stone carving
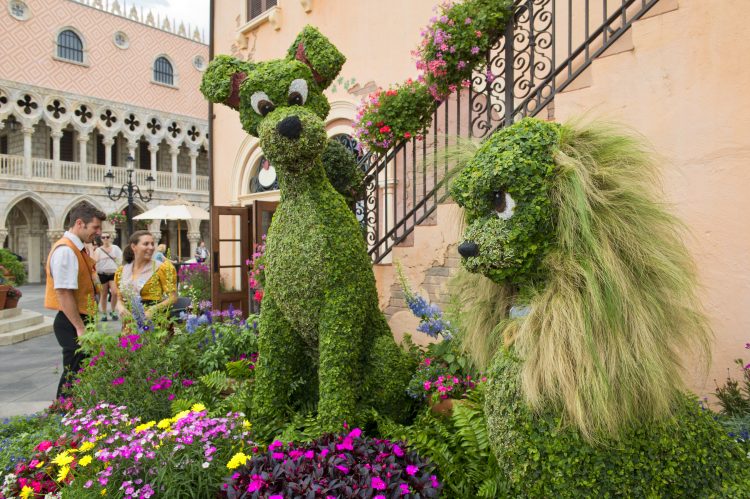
[307, 5]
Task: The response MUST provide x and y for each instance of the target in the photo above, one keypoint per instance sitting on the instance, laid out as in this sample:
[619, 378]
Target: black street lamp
[129, 189]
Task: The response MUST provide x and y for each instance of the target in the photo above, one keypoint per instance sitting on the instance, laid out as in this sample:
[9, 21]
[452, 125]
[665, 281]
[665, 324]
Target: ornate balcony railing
[78, 173]
[551, 43]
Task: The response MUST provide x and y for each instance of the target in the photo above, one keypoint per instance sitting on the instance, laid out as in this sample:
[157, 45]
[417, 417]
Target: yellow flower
[63, 459]
[237, 460]
[164, 423]
[104, 492]
[246, 424]
[63, 473]
[85, 460]
[39, 464]
[198, 408]
[180, 415]
[26, 492]
[144, 426]
[103, 435]
[86, 446]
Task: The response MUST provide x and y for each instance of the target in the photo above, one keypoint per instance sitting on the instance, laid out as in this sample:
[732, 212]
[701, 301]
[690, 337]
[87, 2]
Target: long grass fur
[605, 335]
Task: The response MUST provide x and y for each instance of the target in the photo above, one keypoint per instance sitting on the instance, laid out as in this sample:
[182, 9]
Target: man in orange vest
[71, 285]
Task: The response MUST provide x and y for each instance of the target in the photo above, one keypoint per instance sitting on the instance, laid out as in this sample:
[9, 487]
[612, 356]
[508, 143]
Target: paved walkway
[30, 370]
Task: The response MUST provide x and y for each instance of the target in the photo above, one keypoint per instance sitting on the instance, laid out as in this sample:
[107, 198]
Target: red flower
[258, 295]
[385, 129]
[391, 92]
[379, 124]
[407, 135]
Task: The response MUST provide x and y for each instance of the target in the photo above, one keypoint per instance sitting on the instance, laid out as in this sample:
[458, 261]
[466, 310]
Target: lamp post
[129, 189]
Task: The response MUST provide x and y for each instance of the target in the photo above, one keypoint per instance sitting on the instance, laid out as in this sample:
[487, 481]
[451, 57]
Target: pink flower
[377, 483]
[467, 20]
[309, 454]
[118, 381]
[427, 385]
[342, 469]
[475, 50]
[278, 455]
[355, 433]
[412, 470]
[397, 450]
[404, 488]
[44, 445]
[434, 481]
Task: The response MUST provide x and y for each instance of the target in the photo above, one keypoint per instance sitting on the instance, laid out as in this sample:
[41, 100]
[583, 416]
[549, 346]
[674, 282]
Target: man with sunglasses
[108, 258]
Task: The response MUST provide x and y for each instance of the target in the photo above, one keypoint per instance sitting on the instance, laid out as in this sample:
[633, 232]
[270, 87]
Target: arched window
[69, 46]
[163, 71]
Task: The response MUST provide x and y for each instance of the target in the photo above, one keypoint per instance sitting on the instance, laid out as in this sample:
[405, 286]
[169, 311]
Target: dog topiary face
[505, 190]
[281, 101]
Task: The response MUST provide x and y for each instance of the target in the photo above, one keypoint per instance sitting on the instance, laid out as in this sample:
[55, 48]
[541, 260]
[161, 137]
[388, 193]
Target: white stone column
[54, 234]
[153, 149]
[28, 131]
[195, 239]
[155, 229]
[83, 143]
[3, 234]
[193, 170]
[56, 136]
[174, 151]
[108, 143]
[132, 146]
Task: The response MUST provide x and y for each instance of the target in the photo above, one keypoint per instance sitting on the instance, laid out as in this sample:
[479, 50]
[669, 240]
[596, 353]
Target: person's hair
[162, 247]
[86, 212]
[127, 253]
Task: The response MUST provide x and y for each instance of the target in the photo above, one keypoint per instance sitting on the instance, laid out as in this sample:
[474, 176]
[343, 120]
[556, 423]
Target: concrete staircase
[17, 325]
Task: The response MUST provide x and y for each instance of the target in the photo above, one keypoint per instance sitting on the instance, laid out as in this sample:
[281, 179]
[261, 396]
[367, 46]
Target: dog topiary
[322, 337]
[580, 296]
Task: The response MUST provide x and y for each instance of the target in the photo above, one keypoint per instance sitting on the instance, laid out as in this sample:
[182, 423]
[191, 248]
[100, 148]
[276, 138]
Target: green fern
[217, 381]
[239, 369]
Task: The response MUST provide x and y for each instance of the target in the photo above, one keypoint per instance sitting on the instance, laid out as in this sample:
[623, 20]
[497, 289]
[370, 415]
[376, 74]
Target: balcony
[13, 167]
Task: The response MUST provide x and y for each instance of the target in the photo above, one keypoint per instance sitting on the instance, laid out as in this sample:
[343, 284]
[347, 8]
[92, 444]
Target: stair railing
[522, 78]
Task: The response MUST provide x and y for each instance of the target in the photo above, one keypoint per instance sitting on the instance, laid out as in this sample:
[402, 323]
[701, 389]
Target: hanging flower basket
[116, 218]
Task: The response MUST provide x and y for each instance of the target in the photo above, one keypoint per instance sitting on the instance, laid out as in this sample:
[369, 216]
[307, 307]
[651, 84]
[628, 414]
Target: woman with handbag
[108, 258]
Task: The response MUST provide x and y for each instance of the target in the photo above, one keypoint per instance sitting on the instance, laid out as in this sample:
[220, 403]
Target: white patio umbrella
[177, 209]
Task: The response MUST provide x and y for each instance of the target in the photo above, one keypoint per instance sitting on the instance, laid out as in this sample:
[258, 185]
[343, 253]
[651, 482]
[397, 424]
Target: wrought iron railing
[553, 42]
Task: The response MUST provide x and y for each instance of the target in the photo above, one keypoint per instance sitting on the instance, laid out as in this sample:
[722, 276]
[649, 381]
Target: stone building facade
[84, 85]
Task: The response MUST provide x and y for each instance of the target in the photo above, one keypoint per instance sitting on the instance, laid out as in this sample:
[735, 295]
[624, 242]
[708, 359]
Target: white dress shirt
[63, 264]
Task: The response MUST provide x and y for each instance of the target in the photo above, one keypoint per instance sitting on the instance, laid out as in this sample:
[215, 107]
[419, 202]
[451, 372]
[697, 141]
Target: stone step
[9, 312]
[25, 319]
[18, 335]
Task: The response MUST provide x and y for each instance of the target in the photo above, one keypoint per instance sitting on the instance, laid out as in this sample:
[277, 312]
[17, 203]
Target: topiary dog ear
[222, 79]
[315, 50]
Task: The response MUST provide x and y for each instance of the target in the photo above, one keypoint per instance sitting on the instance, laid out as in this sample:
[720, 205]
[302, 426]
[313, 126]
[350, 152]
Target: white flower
[206, 465]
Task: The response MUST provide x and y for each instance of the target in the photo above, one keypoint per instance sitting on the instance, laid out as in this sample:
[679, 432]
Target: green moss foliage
[216, 85]
[323, 56]
[517, 161]
[687, 455]
[343, 172]
[322, 338]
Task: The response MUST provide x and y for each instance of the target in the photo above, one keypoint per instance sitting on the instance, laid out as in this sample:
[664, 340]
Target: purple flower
[474, 50]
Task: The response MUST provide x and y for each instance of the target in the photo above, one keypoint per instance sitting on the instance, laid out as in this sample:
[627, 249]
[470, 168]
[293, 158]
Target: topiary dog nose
[468, 248]
[290, 127]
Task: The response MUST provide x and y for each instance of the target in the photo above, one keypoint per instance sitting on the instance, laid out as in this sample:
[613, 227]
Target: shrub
[348, 465]
[14, 266]
[19, 435]
[686, 455]
[458, 445]
[343, 172]
[195, 282]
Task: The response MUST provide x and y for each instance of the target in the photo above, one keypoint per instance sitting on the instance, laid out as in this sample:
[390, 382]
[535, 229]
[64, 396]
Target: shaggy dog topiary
[580, 297]
[322, 337]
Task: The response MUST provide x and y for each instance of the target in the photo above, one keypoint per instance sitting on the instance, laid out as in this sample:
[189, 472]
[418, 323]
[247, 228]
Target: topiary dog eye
[503, 204]
[261, 103]
[297, 92]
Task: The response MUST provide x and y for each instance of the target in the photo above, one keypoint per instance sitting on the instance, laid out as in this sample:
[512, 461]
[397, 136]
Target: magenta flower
[412, 470]
[398, 451]
[474, 50]
[377, 483]
[118, 381]
[342, 469]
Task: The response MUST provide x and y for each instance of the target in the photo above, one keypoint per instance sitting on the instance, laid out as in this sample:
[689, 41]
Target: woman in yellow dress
[155, 282]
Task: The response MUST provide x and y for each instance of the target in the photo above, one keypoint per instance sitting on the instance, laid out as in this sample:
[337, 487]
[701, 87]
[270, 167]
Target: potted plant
[4, 287]
[12, 297]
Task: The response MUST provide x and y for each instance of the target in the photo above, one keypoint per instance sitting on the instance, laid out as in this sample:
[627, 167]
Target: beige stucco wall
[681, 84]
[684, 86]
